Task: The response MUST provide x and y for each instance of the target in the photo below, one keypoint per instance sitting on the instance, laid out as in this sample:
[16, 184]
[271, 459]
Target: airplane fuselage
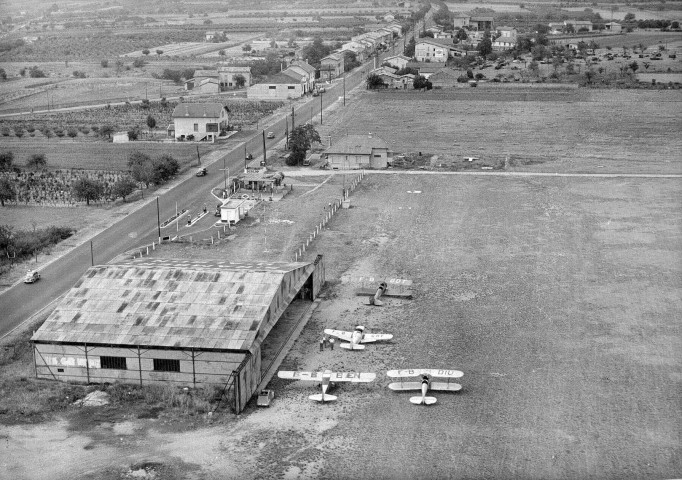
[356, 338]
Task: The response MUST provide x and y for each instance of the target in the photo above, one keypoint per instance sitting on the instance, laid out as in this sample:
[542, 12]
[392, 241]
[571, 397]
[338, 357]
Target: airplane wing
[339, 334]
[451, 387]
[398, 386]
[311, 376]
[373, 337]
[367, 292]
[354, 377]
[425, 371]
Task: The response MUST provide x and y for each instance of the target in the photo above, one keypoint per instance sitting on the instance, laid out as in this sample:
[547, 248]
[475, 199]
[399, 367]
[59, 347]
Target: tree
[72, 132]
[374, 81]
[165, 167]
[86, 189]
[421, 82]
[633, 66]
[221, 53]
[151, 122]
[629, 17]
[104, 63]
[138, 63]
[301, 139]
[124, 187]
[37, 161]
[7, 191]
[107, 130]
[485, 47]
[145, 51]
[239, 80]
[409, 48]
[462, 34]
[159, 52]
[315, 52]
[141, 167]
[3, 74]
[246, 48]
[6, 159]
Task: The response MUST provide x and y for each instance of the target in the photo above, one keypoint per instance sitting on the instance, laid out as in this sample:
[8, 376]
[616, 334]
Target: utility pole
[265, 155]
[92, 255]
[320, 109]
[224, 168]
[286, 132]
[344, 89]
[198, 156]
[158, 218]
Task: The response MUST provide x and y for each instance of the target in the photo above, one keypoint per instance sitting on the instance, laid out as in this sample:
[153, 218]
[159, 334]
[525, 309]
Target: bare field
[541, 129]
[557, 297]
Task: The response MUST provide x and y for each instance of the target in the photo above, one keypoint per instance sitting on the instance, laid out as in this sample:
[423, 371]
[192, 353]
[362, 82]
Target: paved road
[140, 227]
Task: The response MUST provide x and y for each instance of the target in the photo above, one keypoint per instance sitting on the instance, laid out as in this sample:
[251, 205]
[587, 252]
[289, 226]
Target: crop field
[125, 117]
[67, 154]
[540, 129]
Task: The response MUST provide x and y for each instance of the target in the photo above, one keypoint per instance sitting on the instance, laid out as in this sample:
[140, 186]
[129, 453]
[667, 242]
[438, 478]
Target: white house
[613, 27]
[428, 49]
[506, 40]
[199, 121]
[332, 65]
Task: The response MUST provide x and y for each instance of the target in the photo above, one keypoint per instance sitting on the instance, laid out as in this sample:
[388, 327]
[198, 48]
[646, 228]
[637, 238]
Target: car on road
[249, 156]
[201, 172]
[32, 276]
[271, 135]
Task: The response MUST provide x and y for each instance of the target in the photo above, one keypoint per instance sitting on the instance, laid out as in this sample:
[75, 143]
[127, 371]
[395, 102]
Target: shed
[359, 151]
[232, 211]
[178, 322]
[120, 137]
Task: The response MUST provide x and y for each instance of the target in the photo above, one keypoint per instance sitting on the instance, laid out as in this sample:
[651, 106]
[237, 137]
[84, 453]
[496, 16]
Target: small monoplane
[326, 378]
[390, 287]
[426, 383]
[357, 337]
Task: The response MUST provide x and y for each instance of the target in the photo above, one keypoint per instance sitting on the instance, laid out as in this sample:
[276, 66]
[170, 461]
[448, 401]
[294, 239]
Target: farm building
[445, 77]
[186, 323]
[613, 27]
[228, 76]
[397, 61]
[277, 87]
[199, 121]
[359, 151]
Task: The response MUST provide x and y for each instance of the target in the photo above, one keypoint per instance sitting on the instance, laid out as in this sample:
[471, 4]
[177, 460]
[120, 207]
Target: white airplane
[325, 378]
[393, 287]
[426, 383]
[357, 337]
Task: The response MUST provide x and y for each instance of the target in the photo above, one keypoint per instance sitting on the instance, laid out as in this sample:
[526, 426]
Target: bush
[104, 63]
[72, 132]
[37, 161]
[138, 63]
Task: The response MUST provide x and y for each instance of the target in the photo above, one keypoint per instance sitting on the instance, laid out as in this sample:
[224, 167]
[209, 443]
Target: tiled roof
[234, 69]
[171, 303]
[357, 144]
[197, 110]
[205, 73]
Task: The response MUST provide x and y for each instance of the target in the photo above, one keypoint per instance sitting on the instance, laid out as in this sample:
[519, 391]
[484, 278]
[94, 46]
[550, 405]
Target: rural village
[235, 235]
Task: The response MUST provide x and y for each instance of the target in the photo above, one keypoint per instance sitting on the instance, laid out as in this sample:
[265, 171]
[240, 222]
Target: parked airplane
[357, 337]
[426, 383]
[325, 378]
[399, 288]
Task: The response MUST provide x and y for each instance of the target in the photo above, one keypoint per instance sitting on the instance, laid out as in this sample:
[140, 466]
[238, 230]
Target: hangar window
[116, 363]
[165, 365]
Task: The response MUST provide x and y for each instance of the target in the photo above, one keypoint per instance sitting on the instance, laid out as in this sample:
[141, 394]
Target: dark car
[201, 172]
[249, 156]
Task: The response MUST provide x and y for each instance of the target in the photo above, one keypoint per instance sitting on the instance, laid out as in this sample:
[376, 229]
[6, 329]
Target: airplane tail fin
[318, 397]
[375, 301]
[351, 346]
[427, 400]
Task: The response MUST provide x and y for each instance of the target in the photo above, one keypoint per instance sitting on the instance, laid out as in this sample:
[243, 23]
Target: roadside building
[227, 74]
[199, 121]
[579, 25]
[277, 87]
[359, 151]
[397, 61]
[432, 50]
[199, 77]
[181, 323]
[460, 21]
[506, 40]
[482, 23]
[332, 66]
[556, 28]
[303, 71]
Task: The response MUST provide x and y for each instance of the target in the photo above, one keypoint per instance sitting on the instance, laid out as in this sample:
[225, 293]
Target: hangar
[190, 323]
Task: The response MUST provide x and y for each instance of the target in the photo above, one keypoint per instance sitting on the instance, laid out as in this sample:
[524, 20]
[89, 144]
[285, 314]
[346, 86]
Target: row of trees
[26, 243]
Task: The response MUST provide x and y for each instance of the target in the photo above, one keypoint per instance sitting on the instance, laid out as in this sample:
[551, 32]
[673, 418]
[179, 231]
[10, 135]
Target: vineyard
[125, 117]
[94, 156]
[53, 188]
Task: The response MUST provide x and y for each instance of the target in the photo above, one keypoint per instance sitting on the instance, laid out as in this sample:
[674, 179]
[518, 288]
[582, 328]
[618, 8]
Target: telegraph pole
[265, 158]
[320, 109]
[158, 218]
[344, 89]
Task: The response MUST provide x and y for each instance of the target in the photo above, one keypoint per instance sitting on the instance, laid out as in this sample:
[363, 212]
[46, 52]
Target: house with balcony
[199, 121]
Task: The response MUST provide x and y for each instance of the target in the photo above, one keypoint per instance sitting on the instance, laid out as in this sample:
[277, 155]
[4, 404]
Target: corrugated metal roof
[173, 303]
